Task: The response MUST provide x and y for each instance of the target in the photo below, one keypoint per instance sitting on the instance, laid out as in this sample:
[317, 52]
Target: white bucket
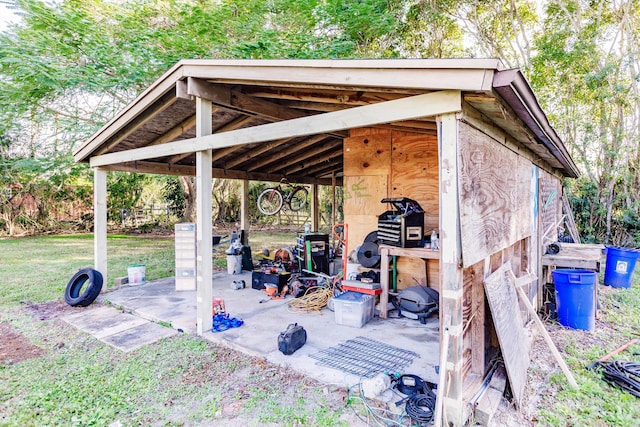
[234, 264]
[137, 274]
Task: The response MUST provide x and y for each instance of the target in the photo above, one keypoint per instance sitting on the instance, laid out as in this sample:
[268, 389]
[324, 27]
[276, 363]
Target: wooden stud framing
[315, 210]
[100, 222]
[244, 209]
[451, 270]
[204, 262]
[441, 102]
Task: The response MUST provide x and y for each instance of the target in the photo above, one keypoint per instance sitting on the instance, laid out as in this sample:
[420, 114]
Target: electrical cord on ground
[420, 407]
[313, 299]
[623, 375]
[374, 414]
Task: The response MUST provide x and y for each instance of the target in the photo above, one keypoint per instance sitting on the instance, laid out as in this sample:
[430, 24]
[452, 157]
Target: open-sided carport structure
[483, 150]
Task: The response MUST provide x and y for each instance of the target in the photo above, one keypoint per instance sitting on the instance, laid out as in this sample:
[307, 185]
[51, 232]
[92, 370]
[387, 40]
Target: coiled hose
[623, 375]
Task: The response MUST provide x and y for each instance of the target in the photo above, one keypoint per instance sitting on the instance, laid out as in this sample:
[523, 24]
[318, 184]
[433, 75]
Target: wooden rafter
[293, 148]
[411, 108]
[318, 153]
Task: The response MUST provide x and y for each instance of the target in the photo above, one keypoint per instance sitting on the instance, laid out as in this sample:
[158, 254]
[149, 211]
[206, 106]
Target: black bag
[292, 339]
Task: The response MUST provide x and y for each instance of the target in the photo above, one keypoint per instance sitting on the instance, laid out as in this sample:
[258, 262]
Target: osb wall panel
[495, 196]
[362, 195]
[550, 190]
[414, 173]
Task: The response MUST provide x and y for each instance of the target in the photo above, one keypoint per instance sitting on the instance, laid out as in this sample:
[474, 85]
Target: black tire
[298, 199]
[81, 294]
[270, 201]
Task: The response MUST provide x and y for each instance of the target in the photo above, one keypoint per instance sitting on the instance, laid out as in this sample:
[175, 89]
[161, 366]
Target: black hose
[420, 407]
[623, 375]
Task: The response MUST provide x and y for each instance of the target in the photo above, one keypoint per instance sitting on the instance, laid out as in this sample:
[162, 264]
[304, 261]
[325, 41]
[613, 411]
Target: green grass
[596, 403]
[80, 381]
[37, 269]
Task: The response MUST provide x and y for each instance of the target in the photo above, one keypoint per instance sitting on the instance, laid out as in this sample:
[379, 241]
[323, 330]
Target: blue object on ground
[576, 298]
[621, 262]
[222, 322]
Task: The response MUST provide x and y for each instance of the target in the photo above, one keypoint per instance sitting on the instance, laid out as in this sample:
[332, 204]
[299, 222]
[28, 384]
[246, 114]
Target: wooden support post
[451, 270]
[100, 222]
[444, 346]
[333, 207]
[315, 211]
[244, 210]
[204, 244]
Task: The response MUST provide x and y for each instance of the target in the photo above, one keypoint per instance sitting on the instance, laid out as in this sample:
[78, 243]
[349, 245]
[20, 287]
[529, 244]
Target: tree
[587, 68]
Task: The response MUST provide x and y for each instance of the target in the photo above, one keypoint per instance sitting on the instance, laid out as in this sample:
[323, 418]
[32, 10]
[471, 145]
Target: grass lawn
[77, 380]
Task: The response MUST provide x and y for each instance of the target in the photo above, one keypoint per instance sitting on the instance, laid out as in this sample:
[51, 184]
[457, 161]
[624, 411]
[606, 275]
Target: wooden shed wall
[381, 163]
[509, 212]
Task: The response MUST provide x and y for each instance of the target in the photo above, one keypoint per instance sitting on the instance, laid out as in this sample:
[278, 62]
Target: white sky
[7, 16]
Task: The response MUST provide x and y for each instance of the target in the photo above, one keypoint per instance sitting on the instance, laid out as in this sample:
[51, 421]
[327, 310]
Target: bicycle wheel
[270, 201]
[298, 199]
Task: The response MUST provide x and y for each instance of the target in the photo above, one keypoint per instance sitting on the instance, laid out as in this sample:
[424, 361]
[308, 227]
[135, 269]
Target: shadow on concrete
[158, 301]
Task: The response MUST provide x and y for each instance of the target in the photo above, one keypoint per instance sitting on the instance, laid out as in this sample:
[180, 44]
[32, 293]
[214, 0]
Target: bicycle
[271, 200]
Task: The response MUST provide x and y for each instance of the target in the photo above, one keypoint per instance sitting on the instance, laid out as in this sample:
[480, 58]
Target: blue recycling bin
[576, 298]
[619, 268]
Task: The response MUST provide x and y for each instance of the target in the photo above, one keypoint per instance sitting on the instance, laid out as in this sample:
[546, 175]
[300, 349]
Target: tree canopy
[67, 66]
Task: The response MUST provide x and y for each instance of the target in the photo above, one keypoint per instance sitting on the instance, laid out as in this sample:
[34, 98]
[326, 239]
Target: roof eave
[512, 86]
[465, 75]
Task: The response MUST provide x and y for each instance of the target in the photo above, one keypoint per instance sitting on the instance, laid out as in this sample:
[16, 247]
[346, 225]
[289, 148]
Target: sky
[6, 16]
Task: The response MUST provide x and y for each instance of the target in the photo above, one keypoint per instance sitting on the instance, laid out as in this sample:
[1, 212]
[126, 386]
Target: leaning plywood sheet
[495, 196]
[503, 302]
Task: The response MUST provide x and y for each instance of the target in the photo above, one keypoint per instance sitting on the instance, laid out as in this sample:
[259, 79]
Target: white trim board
[425, 105]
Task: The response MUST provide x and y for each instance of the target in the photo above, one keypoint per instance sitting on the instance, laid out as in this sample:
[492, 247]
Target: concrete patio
[158, 301]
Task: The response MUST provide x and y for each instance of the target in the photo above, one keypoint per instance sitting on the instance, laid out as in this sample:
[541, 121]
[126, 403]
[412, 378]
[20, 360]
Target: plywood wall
[381, 163]
[495, 195]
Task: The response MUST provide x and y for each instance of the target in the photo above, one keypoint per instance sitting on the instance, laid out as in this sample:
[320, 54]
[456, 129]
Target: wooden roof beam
[175, 131]
[316, 152]
[294, 148]
[330, 163]
[234, 99]
[232, 125]
[162, 104]
[410, 108]
[258, 150]
[181, 170]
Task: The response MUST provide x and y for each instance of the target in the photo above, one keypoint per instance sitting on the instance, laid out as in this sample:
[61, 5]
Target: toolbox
[402, 227]
[258, 279]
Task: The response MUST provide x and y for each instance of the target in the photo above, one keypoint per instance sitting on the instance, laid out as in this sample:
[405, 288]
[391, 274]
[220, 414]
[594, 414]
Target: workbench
[575, 255]
[387, 251]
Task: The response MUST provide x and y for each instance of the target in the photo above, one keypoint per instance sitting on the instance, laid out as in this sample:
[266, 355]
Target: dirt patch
[15, 347]
[50, 310]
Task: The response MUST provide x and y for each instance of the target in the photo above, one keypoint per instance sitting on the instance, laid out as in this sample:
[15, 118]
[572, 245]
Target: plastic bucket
[234, 264]
[576, 298]
[621, 262]
[137, 274]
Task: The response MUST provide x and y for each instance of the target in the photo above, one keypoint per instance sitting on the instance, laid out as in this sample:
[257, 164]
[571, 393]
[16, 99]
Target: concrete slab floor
[120, 330]
[159, 301]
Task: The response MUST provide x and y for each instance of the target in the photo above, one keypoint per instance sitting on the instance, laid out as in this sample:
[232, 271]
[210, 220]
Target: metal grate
[365, 357]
